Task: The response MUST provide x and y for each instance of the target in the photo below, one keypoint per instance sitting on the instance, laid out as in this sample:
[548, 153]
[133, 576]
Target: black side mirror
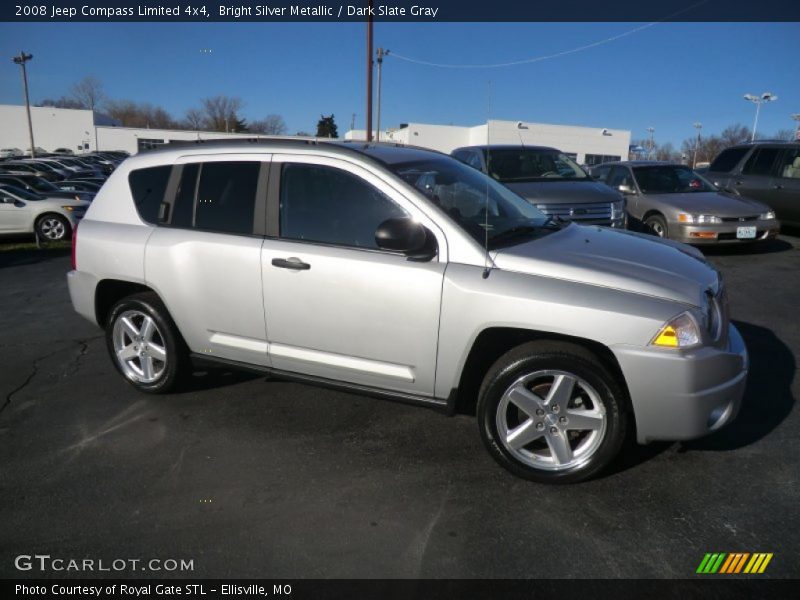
[404, 235]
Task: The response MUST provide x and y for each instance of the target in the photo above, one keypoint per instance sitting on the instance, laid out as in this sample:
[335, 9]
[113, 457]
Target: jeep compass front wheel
[144, 343]
[551, 412]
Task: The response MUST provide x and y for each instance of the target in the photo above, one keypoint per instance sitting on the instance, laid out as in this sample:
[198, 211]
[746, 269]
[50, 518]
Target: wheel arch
[110, 291]
[491, 343]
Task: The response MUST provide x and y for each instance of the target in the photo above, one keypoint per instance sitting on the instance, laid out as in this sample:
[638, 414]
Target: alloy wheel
[139, 346]
[551, 420]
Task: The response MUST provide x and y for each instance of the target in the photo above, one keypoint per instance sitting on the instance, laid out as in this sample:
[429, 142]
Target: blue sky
[667, 76]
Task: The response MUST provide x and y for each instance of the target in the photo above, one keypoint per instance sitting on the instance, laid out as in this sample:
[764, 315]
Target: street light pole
[21, 60]
[652, 142]
[697, 126]
[381, 53]
[758, 101]
[796, 119]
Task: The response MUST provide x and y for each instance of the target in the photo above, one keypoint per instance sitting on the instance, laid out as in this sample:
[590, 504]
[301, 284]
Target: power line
[547, 56]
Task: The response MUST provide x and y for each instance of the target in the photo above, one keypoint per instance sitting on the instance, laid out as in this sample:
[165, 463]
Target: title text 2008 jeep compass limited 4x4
[365, 266]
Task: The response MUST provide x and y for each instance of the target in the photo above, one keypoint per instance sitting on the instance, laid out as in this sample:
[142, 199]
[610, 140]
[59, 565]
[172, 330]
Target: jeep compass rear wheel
[551, 412]
[144, 343]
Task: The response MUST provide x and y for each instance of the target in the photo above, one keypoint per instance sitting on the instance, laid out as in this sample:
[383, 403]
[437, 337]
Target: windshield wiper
[514, 232]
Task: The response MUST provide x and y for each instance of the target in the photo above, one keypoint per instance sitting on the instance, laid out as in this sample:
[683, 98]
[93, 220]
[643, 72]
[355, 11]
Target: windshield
[670, 179]
[20, 193]
[461, 193]
[41, 185]
[530, 164]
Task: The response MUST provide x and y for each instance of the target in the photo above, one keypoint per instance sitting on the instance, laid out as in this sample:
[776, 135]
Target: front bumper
[684, 395]
[723, 233]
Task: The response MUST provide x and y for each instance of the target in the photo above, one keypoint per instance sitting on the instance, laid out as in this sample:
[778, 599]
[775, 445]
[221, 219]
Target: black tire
[535, 357]
[177, 365]
[657, 225]
[53, 228]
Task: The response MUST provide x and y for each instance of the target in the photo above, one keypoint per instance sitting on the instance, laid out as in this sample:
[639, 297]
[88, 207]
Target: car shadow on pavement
[212, 378]
[772, 246]
[768, 398]
[18, 258]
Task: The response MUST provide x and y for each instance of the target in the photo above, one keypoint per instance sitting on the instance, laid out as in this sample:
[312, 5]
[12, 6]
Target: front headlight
[767, 216]
[698, 219]
[617, 209]
[680, 332]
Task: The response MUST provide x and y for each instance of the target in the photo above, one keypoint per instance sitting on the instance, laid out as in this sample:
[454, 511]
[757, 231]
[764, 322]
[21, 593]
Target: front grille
[738, 219]
[590, 213]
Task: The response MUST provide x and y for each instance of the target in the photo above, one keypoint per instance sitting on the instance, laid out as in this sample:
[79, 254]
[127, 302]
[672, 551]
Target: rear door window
[226, 196]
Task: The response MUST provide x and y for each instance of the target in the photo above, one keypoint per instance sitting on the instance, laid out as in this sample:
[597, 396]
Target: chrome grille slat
[587, 212]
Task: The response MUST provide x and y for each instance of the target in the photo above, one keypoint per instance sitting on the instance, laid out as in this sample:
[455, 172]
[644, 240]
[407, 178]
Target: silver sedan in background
[675, 202]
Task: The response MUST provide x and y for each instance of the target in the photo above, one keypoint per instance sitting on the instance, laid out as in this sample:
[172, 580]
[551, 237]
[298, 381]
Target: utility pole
[353, 122]
[381, 54]
[697, 126]
[369, 72]
[652, 142]
[21, 60]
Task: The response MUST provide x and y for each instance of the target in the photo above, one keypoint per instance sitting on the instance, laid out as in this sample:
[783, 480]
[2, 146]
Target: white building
[76, 129]
[586, 145]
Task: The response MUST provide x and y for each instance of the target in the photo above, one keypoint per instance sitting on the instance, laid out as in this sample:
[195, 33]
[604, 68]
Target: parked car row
[48, 195]
[746, 193]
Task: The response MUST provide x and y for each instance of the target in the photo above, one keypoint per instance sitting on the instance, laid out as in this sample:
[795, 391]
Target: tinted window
[727, 160]
[620, 176]
[670, 179]
[760, 163]
[226, 196]
[323, 204]
[598, 159]
[473, 160]
[147, 189]
[183, 209]
[600, 173]
[529, 164]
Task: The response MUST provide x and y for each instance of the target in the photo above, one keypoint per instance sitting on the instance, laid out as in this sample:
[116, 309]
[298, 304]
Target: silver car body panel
[380, 321]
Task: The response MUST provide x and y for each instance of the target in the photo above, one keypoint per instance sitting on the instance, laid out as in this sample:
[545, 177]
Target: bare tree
[88, 92]
[735, 134]
[133, 114]
[785, 134]
[270, 125]
[62, 102]
[193, 119]
[220, 113]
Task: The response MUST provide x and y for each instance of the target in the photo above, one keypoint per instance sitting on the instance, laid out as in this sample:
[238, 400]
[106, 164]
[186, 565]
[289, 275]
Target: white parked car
[10, 152]
[52, 219]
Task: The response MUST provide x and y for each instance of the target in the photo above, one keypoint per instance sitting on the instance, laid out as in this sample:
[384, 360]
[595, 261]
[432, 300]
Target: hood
[712, 203]
[564, 192]
[623, 260]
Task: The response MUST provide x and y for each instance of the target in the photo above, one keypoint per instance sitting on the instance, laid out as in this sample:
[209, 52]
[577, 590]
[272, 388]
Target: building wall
[586, 143]
[52, 128]
[130, 139]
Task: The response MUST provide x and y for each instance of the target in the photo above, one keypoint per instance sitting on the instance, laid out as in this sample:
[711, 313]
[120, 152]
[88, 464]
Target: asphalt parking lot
[263, 478]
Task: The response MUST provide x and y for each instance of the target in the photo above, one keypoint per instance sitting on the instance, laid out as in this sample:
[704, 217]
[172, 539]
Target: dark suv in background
[550, 180]
[765, 171]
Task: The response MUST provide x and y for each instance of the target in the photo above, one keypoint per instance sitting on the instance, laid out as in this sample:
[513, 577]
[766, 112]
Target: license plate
[746, 233]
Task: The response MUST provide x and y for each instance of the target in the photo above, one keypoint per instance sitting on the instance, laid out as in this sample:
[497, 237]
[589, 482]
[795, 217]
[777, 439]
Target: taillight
[74, 262]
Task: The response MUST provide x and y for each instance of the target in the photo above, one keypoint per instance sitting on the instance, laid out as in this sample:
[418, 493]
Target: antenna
[486, 259]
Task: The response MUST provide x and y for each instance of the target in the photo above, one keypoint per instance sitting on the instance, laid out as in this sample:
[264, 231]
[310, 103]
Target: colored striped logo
[735, 562]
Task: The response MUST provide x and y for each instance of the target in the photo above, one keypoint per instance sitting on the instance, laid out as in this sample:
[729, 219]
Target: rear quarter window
[727, 160]
[147, 188]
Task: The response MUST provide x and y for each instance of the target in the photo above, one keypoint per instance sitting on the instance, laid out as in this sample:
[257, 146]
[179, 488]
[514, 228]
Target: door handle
[290, 263]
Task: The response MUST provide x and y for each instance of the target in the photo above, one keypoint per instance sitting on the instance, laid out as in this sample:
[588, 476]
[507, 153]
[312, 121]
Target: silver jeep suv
[405, 274]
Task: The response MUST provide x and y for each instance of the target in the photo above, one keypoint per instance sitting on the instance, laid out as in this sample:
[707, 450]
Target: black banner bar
[727, 588]
[400, 11]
